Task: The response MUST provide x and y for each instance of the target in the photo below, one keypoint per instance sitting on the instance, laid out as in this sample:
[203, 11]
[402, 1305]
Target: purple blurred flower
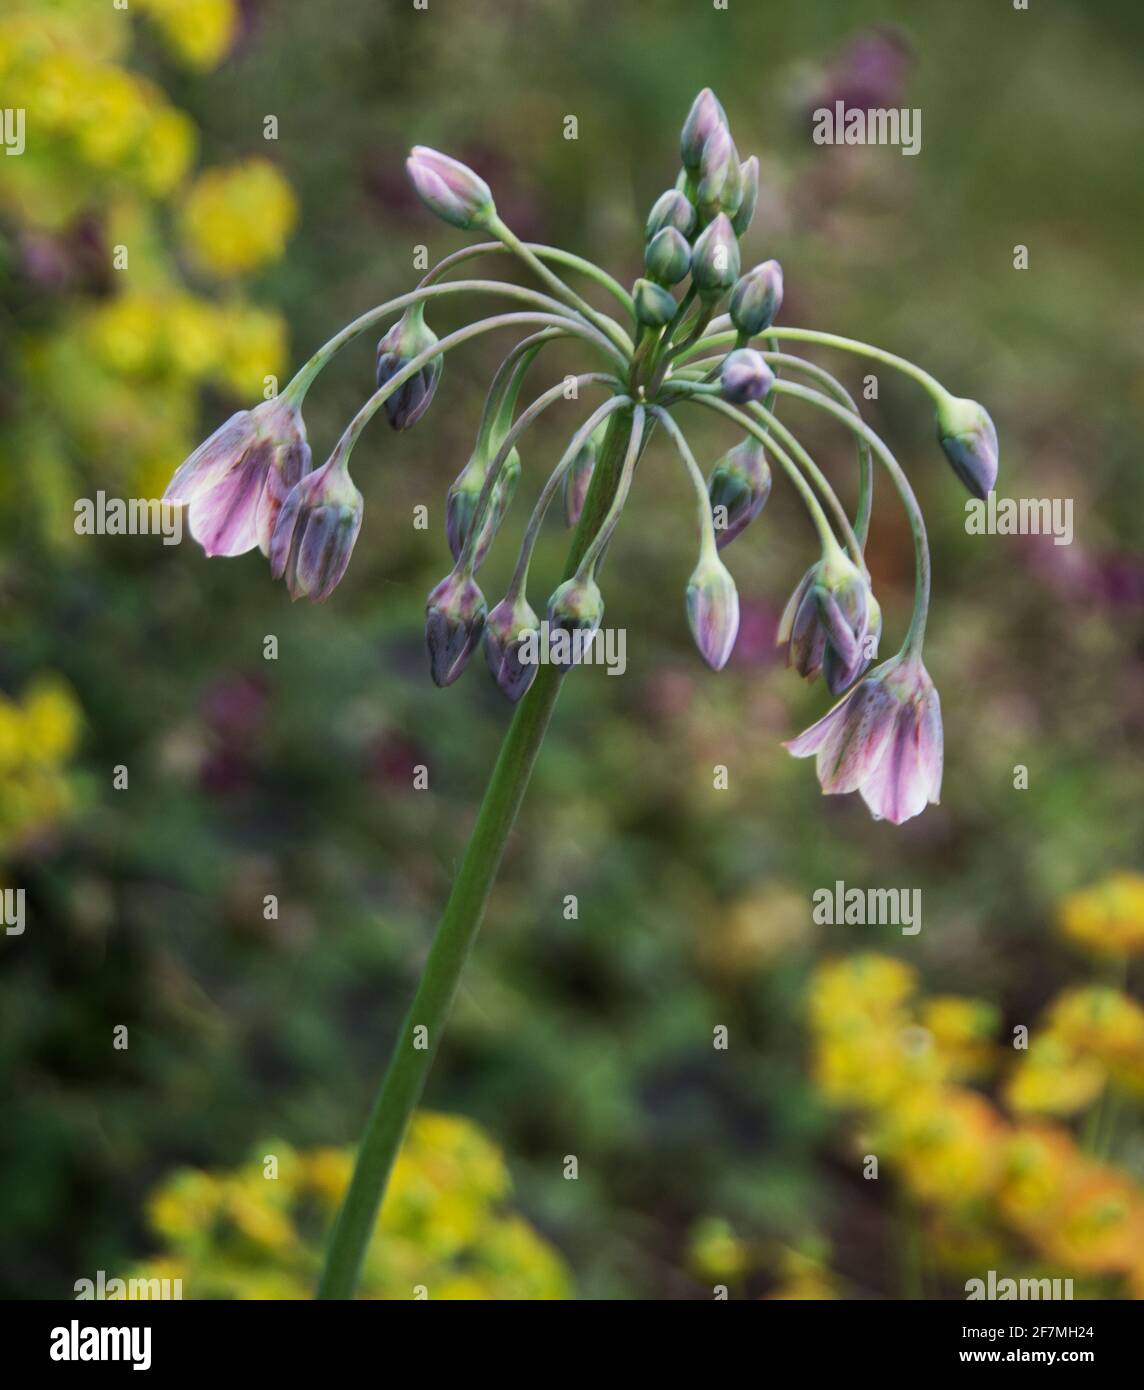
[449, 188]
[883, 740]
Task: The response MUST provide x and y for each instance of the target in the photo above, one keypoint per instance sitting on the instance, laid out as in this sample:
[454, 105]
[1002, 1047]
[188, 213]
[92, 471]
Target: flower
[576, 607]
[464, 495]
[704, 118]
[713, 611]
[235, 482]
[449, 188]
[1108, 917]
[757, 298]
[504, 632]
[454, 621]
[745, 376]
[239, 217]
[654, 305]
[407, 339]
[667, 257]
[969, 438]
[316, 530]
[671, 209]
[831, 623]
[883, 740]
[739, 486]
[715, 258]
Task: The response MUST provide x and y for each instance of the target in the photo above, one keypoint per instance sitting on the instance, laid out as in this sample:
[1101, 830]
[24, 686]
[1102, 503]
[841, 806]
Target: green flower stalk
[693, 332]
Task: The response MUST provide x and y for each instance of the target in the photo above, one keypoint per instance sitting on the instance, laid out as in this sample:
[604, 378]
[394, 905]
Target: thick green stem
[412, 1058]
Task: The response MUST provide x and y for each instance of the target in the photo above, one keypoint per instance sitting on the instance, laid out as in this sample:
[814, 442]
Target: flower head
[745, 376]
[713, 611]
[236, 481]
[831, 623]
[505, 630]
[450, 188]
[739, 486]
[704, 118]
[316, 531]
[407, 339]
[715, 258]
[454, 621]
[969, 438]
[883, 740]
[757, 298]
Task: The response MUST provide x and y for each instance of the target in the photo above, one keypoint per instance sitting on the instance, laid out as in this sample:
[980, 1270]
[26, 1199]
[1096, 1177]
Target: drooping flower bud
[715, 258]
[671, 209]
[757, 298]
[654, 305]
[745, 376]
[454, 620]
[826, 624]
[578, 478]
[505, 631]
[720, 187]
[316, 530]
[749, 181]
[450, 188]
[667, 256]
[713, 611]
[883, 740]
[577, 608]
[461, 504]
[235, 482]
[408, 337]
[705, 116]
[739, 487]
[969, 439]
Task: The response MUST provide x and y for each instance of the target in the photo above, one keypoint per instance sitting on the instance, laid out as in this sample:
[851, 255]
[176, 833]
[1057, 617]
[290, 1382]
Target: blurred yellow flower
[38, 736]
[1052, 1078]
[865, 986]
[1108, 917]
[238, 217]
[947, 1142]
[963, 1032]
[1099, 1022]
[714, 1252]
[199, 31]
[443, 1227]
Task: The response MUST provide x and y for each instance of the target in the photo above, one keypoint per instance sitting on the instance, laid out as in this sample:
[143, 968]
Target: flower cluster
[665, 346]
[980, 1179]
[39, 734]
[254, 1232]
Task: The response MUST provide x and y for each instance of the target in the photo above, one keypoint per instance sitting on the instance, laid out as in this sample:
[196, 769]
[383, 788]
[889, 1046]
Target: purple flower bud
[315, 533]
[713, 611]
[749, 181]
[671, 209]
[826, 626]
[757, 298]
[739, 487]
[461, 504]
[576, 607]
[654, 305]
[454, 620]
[720, 187]
[969, 439]
[450, 188]
[579, 476]
[745, 376]
[235, 482]
[705, 116]
[715, 258]
[883, 740]
[505, 630]
[408, 337]
[667, 256]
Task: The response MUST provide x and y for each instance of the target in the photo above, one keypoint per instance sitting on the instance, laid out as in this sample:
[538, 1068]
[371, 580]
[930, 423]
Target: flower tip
[449, 188]
[968, 437]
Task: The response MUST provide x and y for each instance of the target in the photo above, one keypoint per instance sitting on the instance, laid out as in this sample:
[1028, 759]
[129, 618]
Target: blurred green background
[294, 777]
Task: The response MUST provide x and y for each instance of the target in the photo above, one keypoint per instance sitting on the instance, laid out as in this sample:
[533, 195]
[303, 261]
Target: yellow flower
[1099, 1224]
[1108, 917]
[199, 31]
[1037, 1166]
[715, 1252]
[238, 217]
[165, 151]
[1053, 1078]
[253, 348]
[51, 721]
[947, 1143]
[127, 333]
[1100, 1022]
[962, 1031]
[866, 986]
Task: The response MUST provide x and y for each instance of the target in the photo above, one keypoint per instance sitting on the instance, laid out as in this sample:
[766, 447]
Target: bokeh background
[591, 1037]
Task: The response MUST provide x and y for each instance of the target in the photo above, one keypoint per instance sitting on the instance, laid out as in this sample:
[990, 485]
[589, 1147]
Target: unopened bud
[454, 620]
[671, 209]
[969, 439]
[715, 258]
[745, 376]
[409, 337]
[720, 187]
[578, 478]
[667, 256]
[505, 631]
[655, 306]
[713, 611]
[705, 116]
[464, 495]
[739, 487]
[576, 607]
[749, 181]
[757, 298]
[315, 532]
[450, 188]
